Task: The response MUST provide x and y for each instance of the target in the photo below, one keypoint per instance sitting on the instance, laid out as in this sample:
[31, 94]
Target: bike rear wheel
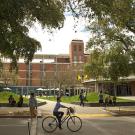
[74, 123]
[49, 124]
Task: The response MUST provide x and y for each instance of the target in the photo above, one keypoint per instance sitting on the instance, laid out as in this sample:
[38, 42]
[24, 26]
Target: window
[80, 48]
[75, 49]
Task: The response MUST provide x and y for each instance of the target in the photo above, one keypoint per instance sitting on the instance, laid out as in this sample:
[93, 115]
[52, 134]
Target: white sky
[58, 42]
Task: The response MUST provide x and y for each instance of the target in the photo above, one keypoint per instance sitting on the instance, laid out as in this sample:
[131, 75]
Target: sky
[58, 42]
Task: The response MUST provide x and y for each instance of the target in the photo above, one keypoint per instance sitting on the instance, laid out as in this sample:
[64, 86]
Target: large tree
[110, 20]
[112, 24]
[115, 12]
[17, 16]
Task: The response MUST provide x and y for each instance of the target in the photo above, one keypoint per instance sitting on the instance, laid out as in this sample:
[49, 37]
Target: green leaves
[16, 16]
[119, 63]
[112, 44]
[94, 68]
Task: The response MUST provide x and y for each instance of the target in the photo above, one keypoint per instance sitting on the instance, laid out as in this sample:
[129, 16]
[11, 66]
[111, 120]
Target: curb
[33, 129]
[118, 114]
[9, 116]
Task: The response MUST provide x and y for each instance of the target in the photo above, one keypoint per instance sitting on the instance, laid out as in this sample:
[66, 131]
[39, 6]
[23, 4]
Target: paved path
[47, 109]
[98, 126]
[83, 112]
[10, 126]
[127, 97]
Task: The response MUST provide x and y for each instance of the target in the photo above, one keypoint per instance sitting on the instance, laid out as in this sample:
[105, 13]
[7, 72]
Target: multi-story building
[50, 71]
[61, 72]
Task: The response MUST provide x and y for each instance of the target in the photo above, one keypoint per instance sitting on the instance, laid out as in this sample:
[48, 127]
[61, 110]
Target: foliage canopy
[112, 25]
[17, 16]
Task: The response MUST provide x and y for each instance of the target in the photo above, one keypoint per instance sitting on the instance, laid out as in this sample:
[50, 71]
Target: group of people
[12, 101]
[59, 114]
[108, 100]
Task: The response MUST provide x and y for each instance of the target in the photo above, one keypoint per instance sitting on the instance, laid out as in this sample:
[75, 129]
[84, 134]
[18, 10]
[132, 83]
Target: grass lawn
[91, 97]
[5, 95]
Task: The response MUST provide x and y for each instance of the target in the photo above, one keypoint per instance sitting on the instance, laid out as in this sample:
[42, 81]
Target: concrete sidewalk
[83, 112]
[121, 110]
[127, 97]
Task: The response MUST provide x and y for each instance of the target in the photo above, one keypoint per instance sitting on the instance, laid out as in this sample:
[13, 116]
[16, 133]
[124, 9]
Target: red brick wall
[22, 66]
[22, 82]
[36, 66]
[22, 73]
[49, 67]
[76, 51]
[36, 82]
[63, 60]
[60, 65]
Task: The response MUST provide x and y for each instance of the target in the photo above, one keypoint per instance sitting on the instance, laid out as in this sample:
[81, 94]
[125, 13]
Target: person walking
[101, 98]
[114, 100]
[20, 102]
[33, 105]
[81, 97]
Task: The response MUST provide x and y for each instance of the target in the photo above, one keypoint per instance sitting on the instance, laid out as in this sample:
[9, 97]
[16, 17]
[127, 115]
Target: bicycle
[74, 123]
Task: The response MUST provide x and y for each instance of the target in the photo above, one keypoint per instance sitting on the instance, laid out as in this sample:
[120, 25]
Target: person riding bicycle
[57, 113]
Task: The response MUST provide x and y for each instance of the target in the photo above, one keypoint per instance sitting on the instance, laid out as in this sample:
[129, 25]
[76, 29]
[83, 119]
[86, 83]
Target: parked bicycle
[74, 123]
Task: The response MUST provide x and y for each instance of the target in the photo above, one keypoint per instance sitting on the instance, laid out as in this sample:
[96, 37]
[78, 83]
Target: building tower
[76, 51]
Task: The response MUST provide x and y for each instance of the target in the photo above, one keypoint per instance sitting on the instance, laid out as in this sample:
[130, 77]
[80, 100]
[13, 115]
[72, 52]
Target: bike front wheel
[74, 123]
[49, 124]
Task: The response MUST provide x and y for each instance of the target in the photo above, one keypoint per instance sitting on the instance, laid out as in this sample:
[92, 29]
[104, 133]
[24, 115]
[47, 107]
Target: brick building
[60, 72]
[50, 71]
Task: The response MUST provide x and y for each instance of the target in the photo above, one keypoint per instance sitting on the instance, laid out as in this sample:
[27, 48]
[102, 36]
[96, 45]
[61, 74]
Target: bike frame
[66, 117]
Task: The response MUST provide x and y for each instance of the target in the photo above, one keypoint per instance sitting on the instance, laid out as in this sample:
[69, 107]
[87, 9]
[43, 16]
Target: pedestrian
[81, 97]
[20, 102]
[11, 100]
[110, 100]
[33, 105]
[101, 98]
[114, 100]
[57, 113]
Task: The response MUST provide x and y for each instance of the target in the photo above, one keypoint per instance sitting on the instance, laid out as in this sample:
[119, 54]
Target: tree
[95, 68]
[64, 78]
[17, 16]
[112, 64]
[115, 12]
[110, 22]
[8, 78]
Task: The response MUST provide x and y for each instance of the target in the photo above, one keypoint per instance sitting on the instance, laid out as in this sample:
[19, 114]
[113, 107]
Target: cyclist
[57, 113]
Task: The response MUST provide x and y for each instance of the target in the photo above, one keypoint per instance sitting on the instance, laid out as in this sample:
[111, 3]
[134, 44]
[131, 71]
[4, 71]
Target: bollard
[28, 128]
